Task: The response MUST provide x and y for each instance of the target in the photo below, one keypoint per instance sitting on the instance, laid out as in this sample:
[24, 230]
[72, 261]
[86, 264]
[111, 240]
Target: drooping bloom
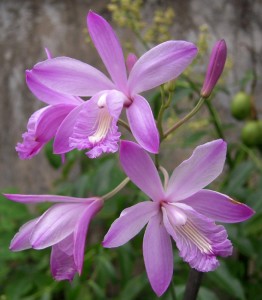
[215, 67]
[94, 125]
[183, 210]
[63, 227]
[43, 123]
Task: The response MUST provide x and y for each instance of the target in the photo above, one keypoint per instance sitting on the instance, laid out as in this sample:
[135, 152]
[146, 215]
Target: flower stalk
[116, 189]
[201, 101]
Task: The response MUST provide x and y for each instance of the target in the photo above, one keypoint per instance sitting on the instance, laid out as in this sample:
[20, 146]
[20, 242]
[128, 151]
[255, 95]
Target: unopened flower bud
[215, 67]
[130, 61]
[169, 87]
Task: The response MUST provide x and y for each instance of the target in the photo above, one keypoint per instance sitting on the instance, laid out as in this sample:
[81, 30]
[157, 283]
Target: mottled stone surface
[28, 26]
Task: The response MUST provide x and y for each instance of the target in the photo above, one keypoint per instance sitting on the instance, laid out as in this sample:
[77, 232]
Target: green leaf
[224, 280]
[132, 289]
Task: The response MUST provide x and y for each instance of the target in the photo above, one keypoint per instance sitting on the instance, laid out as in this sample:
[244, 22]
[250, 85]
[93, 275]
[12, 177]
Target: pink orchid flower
[63, 227]
[43, 124]
[93, 125]
[183, 210]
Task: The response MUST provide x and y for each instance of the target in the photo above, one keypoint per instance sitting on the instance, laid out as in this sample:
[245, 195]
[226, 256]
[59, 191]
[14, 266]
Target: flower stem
[193, 284]
[187, 117]
[217, 124]
[124, 124]
[164, 106]
[116, 189]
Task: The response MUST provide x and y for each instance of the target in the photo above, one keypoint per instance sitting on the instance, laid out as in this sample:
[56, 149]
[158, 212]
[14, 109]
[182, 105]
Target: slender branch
[164, 106]
[116, 189]
[217, 124]
[193, 284]
[187, 117]
[124, 124]
[157, 161]
[172, 291]
[252, 155]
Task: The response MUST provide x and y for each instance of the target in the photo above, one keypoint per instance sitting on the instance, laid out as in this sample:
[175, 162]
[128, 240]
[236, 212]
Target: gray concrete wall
[27, 26]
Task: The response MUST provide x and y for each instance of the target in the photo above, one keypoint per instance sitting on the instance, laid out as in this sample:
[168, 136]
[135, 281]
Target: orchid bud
[215, 67]
[130, 61]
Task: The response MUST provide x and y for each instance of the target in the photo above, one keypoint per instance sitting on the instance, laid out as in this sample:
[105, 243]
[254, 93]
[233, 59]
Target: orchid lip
[103, 124]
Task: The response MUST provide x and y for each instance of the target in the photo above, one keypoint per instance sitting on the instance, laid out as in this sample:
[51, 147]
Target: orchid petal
[142, 124]
[109, 48]
[204, 165]
[129, 224]
[61, 141]
[62, 263]
[199, 241]
[48, 95]
[30, 147]
[81, 230]
[219, 207]
[70, 76]
[50, 120]
[56, 224]
[140, 168]
[21, 241]
[158, 255]
[47, 198]
[160, 64]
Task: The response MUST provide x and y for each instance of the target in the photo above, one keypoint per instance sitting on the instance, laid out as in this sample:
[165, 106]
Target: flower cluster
[181, 210]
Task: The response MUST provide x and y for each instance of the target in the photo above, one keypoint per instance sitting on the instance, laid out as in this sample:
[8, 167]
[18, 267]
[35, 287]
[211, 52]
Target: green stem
[164, 106]
[124, 124]
[215, 119]
[217, 124]
[116, 189]
[157, 161]
[172, 291]
[187, 117]
[252, 156]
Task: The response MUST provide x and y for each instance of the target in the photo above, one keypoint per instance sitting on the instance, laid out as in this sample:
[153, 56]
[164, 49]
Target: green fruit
[241, 106]
[252, 133]
[53, 159]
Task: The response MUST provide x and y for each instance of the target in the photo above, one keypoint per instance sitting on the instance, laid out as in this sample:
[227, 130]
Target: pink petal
[193, 174]
[47, 198]
[219, 207]
[160, 64]
[129, 224]
[140, 168]
[30, 147]
[48, 95]
[62, 263]
[109, 48]
[50, 120]
[199, 241]
[158, 255]
[70, 76]
[21, 241]
[61, 141]
[56, 224]
[81, 231]
[142, 124]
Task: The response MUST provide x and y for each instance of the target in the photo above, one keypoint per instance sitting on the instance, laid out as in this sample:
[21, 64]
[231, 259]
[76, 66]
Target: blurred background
[26, 28]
